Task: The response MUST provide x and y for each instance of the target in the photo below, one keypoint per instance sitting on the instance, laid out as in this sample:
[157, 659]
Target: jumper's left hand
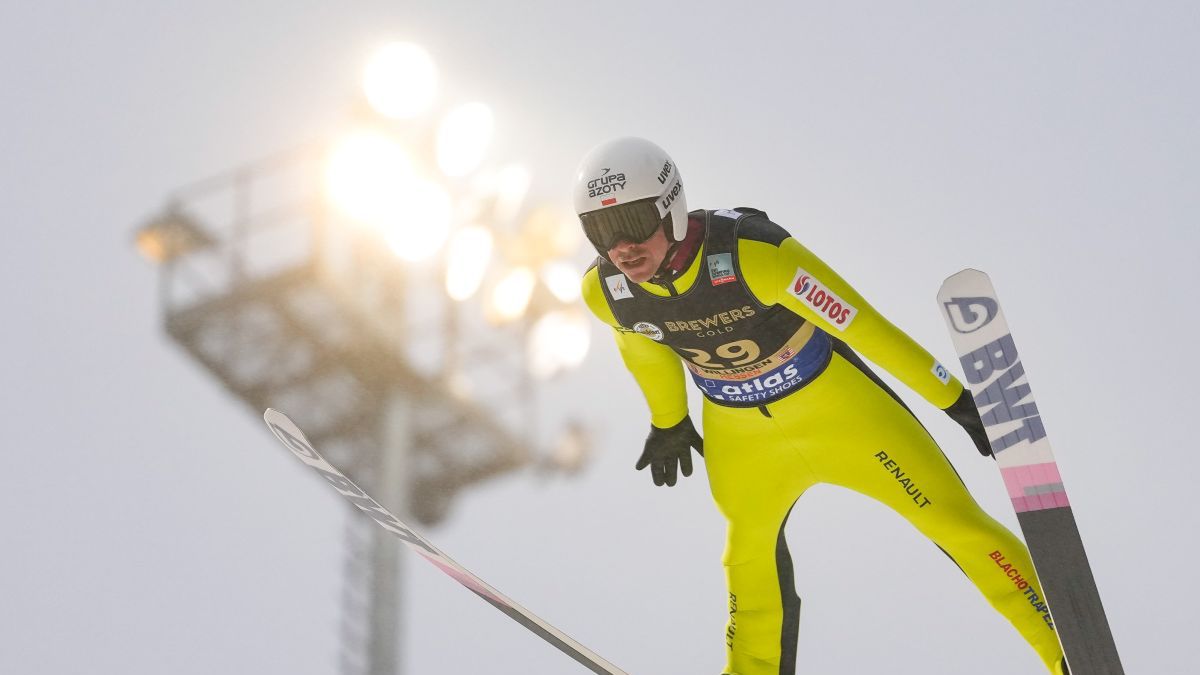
[966, 414]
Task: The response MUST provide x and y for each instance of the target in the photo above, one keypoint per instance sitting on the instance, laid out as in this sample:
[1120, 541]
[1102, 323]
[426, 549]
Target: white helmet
[625, 189]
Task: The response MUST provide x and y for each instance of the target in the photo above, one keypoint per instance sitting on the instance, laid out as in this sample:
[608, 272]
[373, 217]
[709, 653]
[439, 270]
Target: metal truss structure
[403, 389]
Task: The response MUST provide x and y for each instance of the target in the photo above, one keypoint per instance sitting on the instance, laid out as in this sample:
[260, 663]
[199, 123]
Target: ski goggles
[634, 222]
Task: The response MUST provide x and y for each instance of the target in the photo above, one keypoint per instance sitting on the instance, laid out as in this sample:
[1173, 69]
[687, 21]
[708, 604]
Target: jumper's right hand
[668, 451]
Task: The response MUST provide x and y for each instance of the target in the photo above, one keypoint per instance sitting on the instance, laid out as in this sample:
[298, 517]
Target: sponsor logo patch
[761, 388]
[816, 295]
[720, 268]
[649, 330]
[719, 322]
[664, 173]
[728, 213]
[968, 315]
[606, 183]
[731, 627]
[903, 479]
[1007, 397]
[764, 380]
[939, 371]
[668, 198]
[1019, 580]
[618, 286]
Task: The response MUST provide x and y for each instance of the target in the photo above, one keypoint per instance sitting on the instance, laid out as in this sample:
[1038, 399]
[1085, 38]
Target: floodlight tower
[344, 283]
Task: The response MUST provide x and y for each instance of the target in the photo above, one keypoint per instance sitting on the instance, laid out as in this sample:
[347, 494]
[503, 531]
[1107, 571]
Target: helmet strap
[665, 272]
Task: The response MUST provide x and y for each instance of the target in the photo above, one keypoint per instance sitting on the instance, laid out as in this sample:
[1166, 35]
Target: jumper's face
[639, 261]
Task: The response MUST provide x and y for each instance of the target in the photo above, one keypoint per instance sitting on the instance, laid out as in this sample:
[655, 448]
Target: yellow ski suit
[782, 414]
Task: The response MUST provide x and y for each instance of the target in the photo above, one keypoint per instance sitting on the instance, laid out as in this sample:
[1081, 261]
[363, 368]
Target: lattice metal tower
[288, 307]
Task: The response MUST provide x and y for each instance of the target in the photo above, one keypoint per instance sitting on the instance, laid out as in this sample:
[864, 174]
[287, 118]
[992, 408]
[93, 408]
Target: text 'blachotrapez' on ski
[997, 379]
[291, 436]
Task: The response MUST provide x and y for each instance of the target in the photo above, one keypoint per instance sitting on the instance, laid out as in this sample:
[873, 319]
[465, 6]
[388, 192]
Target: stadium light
[549, 233]
[562, 280]
[572, 450]
[400, 80]
[559, 341]
[467, 260]
[510, 297]
[419, 227]
[463, 137]
[511, 185]
[363, 173]
[296, 275]
[169, 235]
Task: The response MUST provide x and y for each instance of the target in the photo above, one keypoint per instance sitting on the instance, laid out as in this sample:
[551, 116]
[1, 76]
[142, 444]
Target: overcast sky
[152, 525]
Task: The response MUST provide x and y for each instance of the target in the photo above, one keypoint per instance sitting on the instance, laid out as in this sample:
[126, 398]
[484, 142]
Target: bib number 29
[737, 353]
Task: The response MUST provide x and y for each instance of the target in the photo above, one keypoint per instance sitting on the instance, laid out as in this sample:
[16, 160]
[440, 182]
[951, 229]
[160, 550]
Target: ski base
[1062, 567]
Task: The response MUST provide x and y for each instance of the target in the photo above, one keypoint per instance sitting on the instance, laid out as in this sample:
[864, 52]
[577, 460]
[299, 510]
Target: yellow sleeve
[657, 370]
[793, 276]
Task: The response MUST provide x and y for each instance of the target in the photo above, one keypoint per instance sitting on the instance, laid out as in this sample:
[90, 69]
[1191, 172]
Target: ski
[291, 436]
[1001, 390]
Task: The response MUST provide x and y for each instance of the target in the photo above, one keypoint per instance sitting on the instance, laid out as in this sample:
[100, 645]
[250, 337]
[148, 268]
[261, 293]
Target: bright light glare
[470, 249]
[363, 174]
[400, 80]
[550, 233]
[461, 385]
[571, 451]
[512, 183]
[421, 226]
[562, 280]
[463, 137]
[510, 298]
[559, 341]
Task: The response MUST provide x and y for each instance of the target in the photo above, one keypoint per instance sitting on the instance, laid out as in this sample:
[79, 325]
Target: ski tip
[966, 276]
[283, 427]
[275, 418]
[967, 272]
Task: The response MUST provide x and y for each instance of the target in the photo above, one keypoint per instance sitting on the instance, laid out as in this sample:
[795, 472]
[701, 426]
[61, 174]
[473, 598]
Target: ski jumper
[769, 334]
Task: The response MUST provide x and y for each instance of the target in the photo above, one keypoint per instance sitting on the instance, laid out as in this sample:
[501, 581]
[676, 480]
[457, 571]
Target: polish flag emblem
[608, 202]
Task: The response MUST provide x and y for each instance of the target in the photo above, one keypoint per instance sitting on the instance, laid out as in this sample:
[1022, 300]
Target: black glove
[666, 447]
[967, 415]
